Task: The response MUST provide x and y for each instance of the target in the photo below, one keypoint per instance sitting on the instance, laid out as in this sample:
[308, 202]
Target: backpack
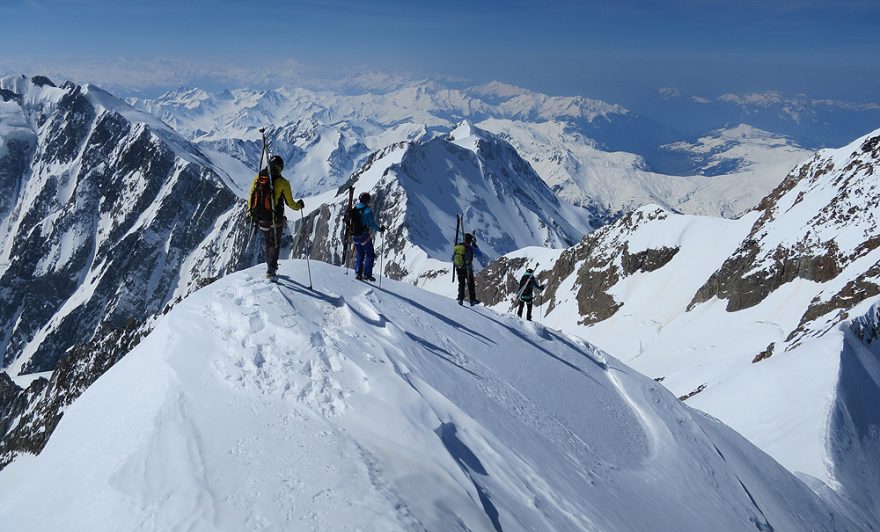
[458, 255]
[354, 218]
[261, 199]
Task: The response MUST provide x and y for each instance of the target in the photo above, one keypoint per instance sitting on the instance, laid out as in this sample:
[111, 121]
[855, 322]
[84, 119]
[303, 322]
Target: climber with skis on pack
[269, 192]
[463, 260]
[526, 295]
[362, 223]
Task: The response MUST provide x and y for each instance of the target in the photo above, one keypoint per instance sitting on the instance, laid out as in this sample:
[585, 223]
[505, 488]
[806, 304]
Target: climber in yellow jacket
[269, 192]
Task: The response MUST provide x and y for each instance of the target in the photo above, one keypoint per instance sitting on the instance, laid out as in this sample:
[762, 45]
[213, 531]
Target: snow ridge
[355, 407]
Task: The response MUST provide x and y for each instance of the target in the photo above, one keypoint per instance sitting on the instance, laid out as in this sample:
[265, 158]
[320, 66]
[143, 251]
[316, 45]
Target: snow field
[269, 406]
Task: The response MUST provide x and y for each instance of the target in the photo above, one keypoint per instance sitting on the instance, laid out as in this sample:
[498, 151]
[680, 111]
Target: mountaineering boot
[461, 302]
[370, 278]
[359, 277]
[474, 302]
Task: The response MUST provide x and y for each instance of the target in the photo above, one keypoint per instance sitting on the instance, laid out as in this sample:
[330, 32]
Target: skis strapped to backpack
[523, 287]
[262, 197]
[455, 243]
[346, 229]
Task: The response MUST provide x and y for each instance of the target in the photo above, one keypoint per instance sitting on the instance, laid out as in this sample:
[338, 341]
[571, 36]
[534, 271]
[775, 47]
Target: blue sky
[617, 51]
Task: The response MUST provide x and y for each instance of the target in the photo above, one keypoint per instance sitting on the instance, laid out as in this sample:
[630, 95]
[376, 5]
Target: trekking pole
[308, 248]
[382, 259]
[540, 320]
[455, 243]
[542, 302]
[346, 234]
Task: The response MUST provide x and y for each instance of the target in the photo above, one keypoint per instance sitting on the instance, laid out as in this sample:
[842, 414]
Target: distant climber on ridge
[463, 260]
[525, 296]
[269, 192]
[362, 222]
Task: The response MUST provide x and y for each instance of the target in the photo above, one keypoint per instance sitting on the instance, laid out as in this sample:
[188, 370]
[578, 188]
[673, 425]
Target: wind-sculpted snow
[854, 441]
[353, 407]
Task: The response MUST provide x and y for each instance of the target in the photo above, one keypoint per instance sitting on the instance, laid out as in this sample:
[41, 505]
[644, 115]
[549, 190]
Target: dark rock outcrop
[30, 416]
[114, 220]
[765, 261]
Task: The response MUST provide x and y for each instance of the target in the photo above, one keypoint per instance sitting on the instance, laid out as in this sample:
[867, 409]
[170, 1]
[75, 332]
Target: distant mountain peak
[497, 89]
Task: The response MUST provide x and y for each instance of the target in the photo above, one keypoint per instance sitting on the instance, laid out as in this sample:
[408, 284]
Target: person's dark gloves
[301, 203]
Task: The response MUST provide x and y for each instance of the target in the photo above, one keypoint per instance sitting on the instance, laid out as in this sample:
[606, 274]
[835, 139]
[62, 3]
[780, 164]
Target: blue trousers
[365, 255]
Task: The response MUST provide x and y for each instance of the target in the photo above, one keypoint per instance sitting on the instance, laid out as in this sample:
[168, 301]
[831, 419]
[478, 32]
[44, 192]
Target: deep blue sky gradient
[611, 50]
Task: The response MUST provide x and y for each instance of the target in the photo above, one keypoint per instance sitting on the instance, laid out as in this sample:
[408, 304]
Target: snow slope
[352, 407]
[748, 319]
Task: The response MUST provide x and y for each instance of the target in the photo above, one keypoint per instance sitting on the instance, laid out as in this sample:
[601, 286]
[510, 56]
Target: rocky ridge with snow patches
[747, 319]
[113, 217]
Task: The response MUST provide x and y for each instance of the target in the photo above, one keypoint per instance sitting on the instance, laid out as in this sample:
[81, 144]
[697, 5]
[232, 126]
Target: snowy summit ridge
[259, 405]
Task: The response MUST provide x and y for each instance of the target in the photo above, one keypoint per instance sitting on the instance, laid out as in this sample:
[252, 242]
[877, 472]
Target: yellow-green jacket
[282, 194]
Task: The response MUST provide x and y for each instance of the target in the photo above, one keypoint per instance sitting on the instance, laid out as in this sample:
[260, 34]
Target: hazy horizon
[623, 53]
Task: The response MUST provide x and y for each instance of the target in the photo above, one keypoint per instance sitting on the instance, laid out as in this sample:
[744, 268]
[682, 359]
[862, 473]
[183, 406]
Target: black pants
[466, 275]
[528, 312]
[272, 245]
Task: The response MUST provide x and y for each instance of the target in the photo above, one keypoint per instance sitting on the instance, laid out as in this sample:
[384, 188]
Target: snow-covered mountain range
[592, 153]
[724, 173]
[108, 217]
[116, 217]
[420, 187]
[766, 322]
[812, 122]
[347, 407]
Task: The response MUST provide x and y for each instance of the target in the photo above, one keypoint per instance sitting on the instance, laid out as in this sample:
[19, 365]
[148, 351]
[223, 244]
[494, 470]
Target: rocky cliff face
[597, 264]
[819, 224]
[108, 216]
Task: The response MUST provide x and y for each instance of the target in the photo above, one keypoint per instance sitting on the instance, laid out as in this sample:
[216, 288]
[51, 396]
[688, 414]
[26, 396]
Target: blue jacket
[367, 215]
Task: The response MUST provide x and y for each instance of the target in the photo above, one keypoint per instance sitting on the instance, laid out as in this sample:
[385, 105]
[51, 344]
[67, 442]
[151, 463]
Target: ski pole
[455, 243]
[542, 302]
[382, 259]
[308, 248]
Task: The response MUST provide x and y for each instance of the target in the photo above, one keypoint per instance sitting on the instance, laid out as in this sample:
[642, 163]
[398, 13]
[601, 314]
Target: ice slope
[255, 405]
